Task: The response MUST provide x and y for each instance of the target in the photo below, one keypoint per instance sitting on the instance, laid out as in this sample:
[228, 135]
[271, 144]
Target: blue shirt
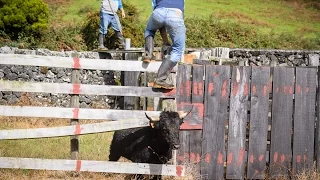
[111, 6]
[179, 4]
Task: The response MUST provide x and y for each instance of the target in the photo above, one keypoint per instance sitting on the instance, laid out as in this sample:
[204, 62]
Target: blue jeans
[172, 19]
[107, 19]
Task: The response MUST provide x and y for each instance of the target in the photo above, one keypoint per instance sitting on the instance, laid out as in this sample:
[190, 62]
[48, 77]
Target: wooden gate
[257, 122]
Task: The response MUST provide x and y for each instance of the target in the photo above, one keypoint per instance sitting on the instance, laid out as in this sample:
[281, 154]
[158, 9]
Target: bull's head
[168, 125]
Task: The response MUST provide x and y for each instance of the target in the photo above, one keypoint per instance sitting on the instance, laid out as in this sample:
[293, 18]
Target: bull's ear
[154, 124]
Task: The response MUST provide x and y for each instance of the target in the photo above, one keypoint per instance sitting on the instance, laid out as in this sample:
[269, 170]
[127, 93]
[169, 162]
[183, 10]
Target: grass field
[268, 16]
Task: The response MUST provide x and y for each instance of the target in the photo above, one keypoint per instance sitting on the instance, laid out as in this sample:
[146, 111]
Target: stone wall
[56, 75]
[61, 75]
[256, 57]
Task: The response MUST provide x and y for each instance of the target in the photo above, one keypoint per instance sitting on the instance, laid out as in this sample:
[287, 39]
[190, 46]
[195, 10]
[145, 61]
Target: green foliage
[27, 17]
[201, 32]
[213, 32]
[67, 37]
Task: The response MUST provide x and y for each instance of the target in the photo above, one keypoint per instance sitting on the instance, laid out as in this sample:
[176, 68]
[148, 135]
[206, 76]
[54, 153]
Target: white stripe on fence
[76, 113]
[72, 130]
[65, 88]
[92, 166]
[79, 63]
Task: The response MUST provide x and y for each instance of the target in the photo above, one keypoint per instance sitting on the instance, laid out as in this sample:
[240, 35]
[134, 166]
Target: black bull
[152, 144]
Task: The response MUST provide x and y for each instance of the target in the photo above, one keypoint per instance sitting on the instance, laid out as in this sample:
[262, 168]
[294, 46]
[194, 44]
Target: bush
[63, 37]
[27, 17]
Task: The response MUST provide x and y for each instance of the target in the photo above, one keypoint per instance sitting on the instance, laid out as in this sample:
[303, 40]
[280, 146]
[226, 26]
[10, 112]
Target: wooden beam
[304, 119]
[72, 130]
[79, 63]
[317, 130]
[66, 88]
[281, 126]
[74, 140]
[80, 113]
[130, 78]
[92, 166]
[239, 96]
[259, 108]
[217, 90]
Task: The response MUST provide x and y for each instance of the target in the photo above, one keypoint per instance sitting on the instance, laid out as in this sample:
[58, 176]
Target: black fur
[147, 144]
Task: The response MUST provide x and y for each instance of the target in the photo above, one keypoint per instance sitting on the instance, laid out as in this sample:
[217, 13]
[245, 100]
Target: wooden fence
[246, 122]
[122, 119]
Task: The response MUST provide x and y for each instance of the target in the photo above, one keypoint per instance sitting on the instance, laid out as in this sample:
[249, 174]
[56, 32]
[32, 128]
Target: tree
[28, 17]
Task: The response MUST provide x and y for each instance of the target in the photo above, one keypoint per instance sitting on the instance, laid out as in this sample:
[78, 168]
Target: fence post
[75, 79]
[220, 52]
[130, 78]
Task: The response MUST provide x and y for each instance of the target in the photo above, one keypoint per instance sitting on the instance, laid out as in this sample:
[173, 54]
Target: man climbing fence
[168, 14]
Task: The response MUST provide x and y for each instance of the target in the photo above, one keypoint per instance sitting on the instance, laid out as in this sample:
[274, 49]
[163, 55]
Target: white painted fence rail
[91, 166]
[66, 88]
[73, 130]
[79, 63]
[79, 113]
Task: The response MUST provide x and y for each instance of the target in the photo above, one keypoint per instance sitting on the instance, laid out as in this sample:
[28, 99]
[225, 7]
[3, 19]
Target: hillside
[271, 16]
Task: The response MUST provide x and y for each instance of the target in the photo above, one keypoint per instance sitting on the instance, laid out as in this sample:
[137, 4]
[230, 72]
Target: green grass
[267, 16]
[91, 146]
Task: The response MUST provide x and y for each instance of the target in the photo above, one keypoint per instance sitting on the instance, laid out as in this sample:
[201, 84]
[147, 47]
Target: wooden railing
[246, 122]
[121, 119]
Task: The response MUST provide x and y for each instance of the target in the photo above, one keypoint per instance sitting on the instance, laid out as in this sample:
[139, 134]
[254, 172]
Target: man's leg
[118, 29]
[155, 22]
[177, 31]
[166, 46]
[104, 23]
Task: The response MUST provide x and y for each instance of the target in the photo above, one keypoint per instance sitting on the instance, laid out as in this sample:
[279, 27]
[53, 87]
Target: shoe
[163, 73]
[148, 48]
[121, 42]
[101, 41]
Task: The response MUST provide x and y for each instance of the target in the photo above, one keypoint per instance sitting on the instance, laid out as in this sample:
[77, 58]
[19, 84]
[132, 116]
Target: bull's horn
[183, 114]
[152, 118]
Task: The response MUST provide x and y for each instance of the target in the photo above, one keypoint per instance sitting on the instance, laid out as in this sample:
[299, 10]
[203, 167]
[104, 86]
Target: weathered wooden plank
[73, 129]
[197, 84]
[91, 166]
[197, 115]
[74, 141]
[79, 63]
[217, 90]
[317, 133]
[130, 78]
[65, 88]
[304, 119]
[237, 122]
[183, 82]
[183, 99]
[260, 87]
[281, 125]
[79, 113]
